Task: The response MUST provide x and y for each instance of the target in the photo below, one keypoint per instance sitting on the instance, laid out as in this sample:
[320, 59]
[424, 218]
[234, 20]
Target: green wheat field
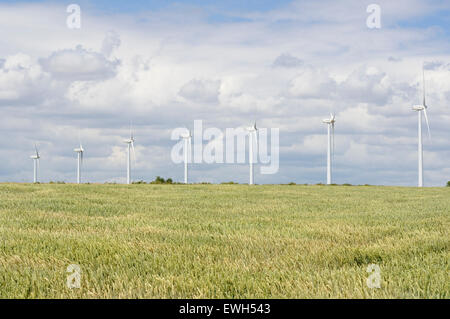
[223, 241]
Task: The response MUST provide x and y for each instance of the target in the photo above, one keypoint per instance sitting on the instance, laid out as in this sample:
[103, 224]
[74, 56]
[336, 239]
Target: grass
[223, 241]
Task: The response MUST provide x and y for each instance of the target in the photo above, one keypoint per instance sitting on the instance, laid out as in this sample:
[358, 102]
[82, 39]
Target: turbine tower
[130, 147]
[187, 153]
[330, 122]
[251, 131]
[79, 152]
[420, 109]
[35, 158]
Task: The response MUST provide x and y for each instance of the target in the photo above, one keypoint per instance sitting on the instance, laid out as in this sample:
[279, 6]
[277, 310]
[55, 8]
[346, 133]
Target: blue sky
[139, 5]
[164, 64]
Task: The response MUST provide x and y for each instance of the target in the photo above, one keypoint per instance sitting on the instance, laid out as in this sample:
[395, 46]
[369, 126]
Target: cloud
[287, 61]
[201, 90]
[313, 83]
[367, 85]
[79, 64]
[110, 43]
[22, 81]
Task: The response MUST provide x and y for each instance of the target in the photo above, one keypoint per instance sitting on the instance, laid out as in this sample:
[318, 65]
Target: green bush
[160, 180]
[139, 182]
[448, 184]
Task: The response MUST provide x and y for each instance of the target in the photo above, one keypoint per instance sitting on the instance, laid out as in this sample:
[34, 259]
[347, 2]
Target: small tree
[448, 184]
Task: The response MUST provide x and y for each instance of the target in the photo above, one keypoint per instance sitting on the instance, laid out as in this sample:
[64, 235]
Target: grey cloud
[200, 90]
[79, 64]
[394, 59]
[313, 83]
[365, 85]
[110, 43]
[287, 61]
[435, 65]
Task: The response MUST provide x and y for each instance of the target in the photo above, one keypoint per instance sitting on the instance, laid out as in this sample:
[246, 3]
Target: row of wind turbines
[252, 132]
[418, 108]
[80, 152]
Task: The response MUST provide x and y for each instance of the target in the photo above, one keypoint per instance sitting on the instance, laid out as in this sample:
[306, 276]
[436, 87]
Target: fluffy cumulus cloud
[79, 64]
[22, 80]
[367, 84]
[201, 90]
[286, 67]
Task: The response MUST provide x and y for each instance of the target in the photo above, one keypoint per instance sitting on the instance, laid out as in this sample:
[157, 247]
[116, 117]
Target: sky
[284, 64]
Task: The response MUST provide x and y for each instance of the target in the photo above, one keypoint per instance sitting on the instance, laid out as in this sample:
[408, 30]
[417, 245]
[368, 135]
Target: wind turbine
[187, 153]
[130, 146]
[251, 130]
[420, 109]
[330, 122]
[79, 152]
[35, 158]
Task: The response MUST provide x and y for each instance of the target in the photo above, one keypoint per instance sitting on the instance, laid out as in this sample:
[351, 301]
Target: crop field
[223, 241]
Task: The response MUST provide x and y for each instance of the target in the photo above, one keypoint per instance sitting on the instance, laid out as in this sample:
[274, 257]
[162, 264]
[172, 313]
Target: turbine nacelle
[129, 141]
[36, 155]
[331, 120]
[252, 128]
[187, 135]
[419, 107]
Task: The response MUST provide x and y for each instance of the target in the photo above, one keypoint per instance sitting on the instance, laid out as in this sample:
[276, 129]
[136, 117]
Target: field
[223, 241]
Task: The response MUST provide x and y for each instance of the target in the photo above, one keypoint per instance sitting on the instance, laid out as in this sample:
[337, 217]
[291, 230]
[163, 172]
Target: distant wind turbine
[35, 158]
[130, 146]
[330, 122]
[80, 152]
[187, 153]
[420, 109]
[251, 131]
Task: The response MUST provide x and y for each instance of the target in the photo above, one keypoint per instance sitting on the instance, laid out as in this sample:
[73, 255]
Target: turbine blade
[257, 146]
[134, 153]
[426, 120]
[190, 150]
[423, 83]
[332, 136]
[131, 129]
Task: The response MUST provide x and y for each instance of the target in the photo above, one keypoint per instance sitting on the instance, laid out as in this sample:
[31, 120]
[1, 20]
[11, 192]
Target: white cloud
[313, 83]
[22, 81]
[201, 90]
[79, 64]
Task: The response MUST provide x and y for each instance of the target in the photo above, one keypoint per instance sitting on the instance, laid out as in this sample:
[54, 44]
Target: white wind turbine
[35, 158]
[187, 153]
[80, 152]
[420, 109]
[130, 146]
[251, 131]
[330, 122]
